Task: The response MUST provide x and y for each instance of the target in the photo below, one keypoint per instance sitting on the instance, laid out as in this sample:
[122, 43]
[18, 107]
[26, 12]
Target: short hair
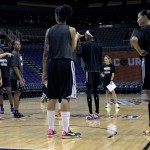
[13, 43]
[145, 13]
[64, 12]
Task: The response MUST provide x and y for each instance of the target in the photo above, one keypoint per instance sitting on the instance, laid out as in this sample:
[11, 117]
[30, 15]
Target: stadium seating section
[111, 39]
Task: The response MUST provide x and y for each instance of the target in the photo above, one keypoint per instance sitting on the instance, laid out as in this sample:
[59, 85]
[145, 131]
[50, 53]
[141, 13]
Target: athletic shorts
[61, 79]
[146, 84]
[15, 85]
[6, 82]
[93, 78]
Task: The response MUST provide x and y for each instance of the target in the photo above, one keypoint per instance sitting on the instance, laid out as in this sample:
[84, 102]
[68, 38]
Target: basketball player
[5, 71]
[92, 56]
[141, 42]
[108, 73]
[16, 76]
[60, 41]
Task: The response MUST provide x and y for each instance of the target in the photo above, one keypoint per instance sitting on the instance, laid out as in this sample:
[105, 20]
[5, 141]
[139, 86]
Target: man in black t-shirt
[141, 42]
[5, 67]
[16, 76]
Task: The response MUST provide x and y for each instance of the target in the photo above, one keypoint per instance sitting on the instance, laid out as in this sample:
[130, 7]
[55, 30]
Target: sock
[11, 105]
[59, 105]
[16, 111]
[96, 99]
[51, 119]
[89, 101]
[65, 120]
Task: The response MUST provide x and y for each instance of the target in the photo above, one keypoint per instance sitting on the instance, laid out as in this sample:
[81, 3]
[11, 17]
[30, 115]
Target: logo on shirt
[107, 70]
[3, 62]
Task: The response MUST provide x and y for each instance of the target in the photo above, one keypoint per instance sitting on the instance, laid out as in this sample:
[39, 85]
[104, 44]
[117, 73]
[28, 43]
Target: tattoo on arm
[46, 45]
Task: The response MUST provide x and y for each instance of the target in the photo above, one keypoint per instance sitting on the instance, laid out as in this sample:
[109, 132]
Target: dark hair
[13, 43]
[145, 13]
[64, 12]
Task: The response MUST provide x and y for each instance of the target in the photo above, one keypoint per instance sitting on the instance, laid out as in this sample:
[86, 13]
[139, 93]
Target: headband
[88, 33]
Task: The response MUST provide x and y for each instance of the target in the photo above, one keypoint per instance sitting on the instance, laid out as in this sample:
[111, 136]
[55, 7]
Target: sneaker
[70, 134]
[90, 117]
[108, 105]
[96, 116]
[12, 110]
[117, 105]
[73, 131]
[1, 110]
[147, 131]
[51, 133]
[18, 115]
[43, 98]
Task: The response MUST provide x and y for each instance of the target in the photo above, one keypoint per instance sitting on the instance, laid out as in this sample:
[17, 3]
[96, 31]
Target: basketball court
[115, 130]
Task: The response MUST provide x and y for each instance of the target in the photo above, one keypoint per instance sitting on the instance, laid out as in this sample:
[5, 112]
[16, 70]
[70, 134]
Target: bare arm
[134, 42]
[20, 78]
[75, 37]
[6, 54]
[112, 78]
[17, 72]
[45, 56]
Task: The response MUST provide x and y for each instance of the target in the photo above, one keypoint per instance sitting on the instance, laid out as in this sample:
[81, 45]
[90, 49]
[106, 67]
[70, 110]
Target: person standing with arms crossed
[141, 43]
[16, 76]
[60, 41]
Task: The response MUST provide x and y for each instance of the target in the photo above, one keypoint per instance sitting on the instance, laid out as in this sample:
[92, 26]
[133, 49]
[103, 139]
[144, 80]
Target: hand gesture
[9, 54]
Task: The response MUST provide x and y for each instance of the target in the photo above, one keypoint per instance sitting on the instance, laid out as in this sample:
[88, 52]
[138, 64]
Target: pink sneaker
[51, 133]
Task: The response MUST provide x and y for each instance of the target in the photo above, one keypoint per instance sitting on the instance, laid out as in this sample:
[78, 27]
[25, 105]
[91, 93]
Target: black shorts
[6, 82]
[15, 85]
[61, 79]
[93, 78]
[146, 84]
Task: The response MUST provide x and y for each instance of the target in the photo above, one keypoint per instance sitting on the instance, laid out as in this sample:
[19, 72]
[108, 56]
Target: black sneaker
[70, 134]
[18, 115]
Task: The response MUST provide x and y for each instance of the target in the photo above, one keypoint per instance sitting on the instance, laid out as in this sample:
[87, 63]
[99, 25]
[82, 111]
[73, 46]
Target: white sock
[51, 119]
[59, 105]
[65, 120]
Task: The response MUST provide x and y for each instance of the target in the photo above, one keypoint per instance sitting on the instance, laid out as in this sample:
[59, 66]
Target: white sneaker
[108, 105]
[117, 105]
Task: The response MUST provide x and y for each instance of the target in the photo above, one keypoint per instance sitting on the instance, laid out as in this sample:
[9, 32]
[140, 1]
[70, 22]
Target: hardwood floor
[115, 130]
